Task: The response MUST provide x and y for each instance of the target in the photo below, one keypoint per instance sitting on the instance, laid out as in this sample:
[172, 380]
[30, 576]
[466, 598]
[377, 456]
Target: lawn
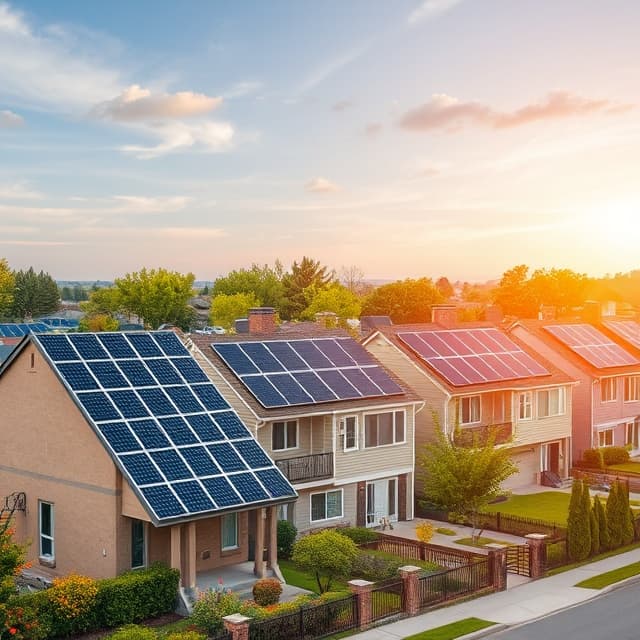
[453, 630]
[627, 467]
[482, 541]
[550, 506]
[610, 577]
[299, 578]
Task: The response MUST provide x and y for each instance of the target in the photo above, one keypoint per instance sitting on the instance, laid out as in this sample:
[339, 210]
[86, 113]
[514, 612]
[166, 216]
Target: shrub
[286, 537]
[360, 535]
[615, 516]
[73, 598]
[615, 455]
[446, 532]
[424, 531]
[21, 623]
[593, 458]
[578, 524]
[601, 517]
[134, 632]
[376, 568]
[267, 591]
[186, 635]
[213, 605]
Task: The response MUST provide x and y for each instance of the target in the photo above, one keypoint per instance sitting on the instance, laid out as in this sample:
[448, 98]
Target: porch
[318, 466]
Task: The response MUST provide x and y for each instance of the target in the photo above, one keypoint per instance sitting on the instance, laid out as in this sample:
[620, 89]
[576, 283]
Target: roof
[182, 448]
[547, 374]
[5, 350]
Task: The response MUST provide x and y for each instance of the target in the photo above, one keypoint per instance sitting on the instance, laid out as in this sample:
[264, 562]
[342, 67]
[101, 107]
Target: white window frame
[346, 423]
[394, 428]
[226, 518]
[602, 441]
[144, 544]
[285, 425]
[525, 405]
[608, 390]
[631, 434]
[631, 388]
[51, 535]
[562, 402]
[470, 401]
[325, 494]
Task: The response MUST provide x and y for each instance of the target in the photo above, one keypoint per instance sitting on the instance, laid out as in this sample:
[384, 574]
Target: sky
[408, 138]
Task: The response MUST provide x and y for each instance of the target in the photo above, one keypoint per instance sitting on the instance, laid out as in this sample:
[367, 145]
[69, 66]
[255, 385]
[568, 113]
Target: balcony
[307, 468]
[478, 436]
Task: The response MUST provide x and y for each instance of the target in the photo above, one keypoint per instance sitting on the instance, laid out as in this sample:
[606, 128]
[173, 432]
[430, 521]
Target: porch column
[176, 560]
[190, 560]
[258, 567]
[272, 553]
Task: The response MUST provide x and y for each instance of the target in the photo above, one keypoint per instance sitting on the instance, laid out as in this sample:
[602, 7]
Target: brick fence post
[537, 554]
[410, 590]
[237, 625]
[362, 591]
[497, 565]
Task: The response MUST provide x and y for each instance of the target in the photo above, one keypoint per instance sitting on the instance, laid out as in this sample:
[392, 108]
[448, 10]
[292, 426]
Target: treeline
[26, 294]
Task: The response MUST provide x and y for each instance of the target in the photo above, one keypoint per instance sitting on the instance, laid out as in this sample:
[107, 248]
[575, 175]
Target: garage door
[528, 463]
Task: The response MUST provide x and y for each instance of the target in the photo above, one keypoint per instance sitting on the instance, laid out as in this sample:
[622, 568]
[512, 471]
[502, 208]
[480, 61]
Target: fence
[518, 560]
[602, 478]
[387, 599]
[520, 526]
[222, 635]
[453, 583]
[556, 554]
[309, 623]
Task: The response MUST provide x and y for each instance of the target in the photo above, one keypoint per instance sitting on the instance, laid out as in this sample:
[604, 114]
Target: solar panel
[273, 483]
[470, 356]
[172, 433]
[628, 330]
[592, 345]
[282, 373]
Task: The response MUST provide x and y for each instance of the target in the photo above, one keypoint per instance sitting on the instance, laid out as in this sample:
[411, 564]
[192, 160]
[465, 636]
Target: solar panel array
[174, 436]
[592, 345]
[60, 323]
[629, 330]
[281, 373]
[472, 356]
[17, 330]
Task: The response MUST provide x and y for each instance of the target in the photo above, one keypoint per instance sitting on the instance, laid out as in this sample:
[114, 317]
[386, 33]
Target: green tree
[66, 293]
[157, 296]
[328, 554]
[615, 516]
[603, 535]
[35, 294]
[463, 479]
[578, 523]
[263, 281]
[79, 293]
[98, 322]
[335, 299]
[514, 293]
[595, 532]
[404, 301]
[352, 277]
[308, 273]
[560, 288]
[226, 309]
[12, 560]
[7, 287]
[106, 300]
[628, 530]
[444, 287]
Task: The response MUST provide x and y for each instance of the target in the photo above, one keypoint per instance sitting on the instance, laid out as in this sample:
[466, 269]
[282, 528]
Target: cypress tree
[628, 530]
[614, 521]
[578, 526]
[601, 517]
[595, 532]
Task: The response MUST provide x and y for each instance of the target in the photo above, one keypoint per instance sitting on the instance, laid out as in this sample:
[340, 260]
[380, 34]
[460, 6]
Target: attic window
[33, 360]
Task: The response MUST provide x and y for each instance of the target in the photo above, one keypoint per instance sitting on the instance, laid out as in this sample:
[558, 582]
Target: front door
[382, 501]
[554, 457]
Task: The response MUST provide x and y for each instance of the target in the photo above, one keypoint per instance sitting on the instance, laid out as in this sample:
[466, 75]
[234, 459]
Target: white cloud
[241, 89]
[18, 191]
[10, 120]
[321, 185]
[145, 204]
[330, 67]
[431, 9]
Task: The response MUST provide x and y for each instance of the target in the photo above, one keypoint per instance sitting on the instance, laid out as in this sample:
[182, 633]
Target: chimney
[493, 314]
[547, 312]
[591, 312]
[262, 320]
[446, 315]
[242, 325]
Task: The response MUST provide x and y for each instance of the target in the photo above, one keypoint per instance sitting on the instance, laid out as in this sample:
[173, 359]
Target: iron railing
[453, 583]
[518, 560]
[478, 436]
[306, 468]
[387, 599]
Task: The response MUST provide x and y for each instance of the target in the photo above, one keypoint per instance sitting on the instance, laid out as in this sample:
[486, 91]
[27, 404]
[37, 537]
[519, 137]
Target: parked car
[210, 330]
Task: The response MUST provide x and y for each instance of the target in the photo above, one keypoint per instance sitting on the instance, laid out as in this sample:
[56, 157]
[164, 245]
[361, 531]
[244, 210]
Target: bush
[424, 531]
[446, 532]
[73, 599]
[134, 632]
[214, 605]
[360, 535]
[593, 458]
[614, 455]
[186, 635]
[21, 623]
[286, 537]
[267, 591]
[375, 568]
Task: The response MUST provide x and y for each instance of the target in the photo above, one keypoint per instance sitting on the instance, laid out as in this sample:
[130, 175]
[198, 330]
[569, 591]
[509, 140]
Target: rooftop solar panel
[282, 373]
[472, 356]
[173, 434]
[628, 330]
[592, 345]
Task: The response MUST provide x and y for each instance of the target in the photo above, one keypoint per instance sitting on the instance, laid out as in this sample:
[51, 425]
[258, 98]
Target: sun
[616, 222]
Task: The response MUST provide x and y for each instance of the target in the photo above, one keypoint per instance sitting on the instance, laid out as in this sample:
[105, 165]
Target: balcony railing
[306, 468]
[478, 436]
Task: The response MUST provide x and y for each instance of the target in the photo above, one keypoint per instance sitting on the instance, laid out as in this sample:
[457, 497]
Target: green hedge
[360, 535]
[131, 597]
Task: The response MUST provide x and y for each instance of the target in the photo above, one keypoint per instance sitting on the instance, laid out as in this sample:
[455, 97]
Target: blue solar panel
[226, 457]
[210, 397]
[266, 393]
[178, 430]
[361, 381]
[88, 347]
[231, 425]
[140, 468]
[58, 348]
[205, 428]
[263, 359]
[339, 384]
[190, 370]
[315, 387]
[193, 497]
[221, 491]
[356, 351]
[170, 343]
[289, 358]
[290, 388]
[235, 358]
[171, 464]
[382, 379]
[164, 372]
[98, 406]
[116, 345]
[145, 345]
[184, 399]
[119, 436]
[335, 353]
[137, 374]
[108, 374]
[157, 401]
[200, 461]
[253, 454]
[163, 502]
[150, 434]
[248, 487]
[308, 350]
[77, 376]
[275, 483]
[127, 401]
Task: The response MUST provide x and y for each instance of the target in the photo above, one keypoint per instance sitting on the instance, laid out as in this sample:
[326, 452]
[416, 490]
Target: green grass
[610, 577]
[627, 467]
[601, 556]
[445, 532]
[550, 506]
[429, 566]
[304, 580]
[453, 630]
[482, 541]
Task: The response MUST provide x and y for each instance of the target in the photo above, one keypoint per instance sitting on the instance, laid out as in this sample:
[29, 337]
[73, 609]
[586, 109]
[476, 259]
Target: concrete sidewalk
[523, 603]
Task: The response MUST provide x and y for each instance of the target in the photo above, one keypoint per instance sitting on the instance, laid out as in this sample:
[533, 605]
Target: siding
[543, 429]
[302, 510]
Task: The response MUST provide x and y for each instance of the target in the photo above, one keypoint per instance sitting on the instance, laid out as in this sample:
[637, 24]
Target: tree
[12, 560]
[98, 322]
[403, 301]
[444, 287]
[560, 288]
[7, 286]
[226, 309]
[106, 300]
[352, 278]
[628, 530]
[35, 294]
[328, 554]
[578, 525]
[601, 517]
[264, 282]
[595, 532]
[460, 479]
[334, 299]
[307, 273]
[157, 296]
[514, 295]
[615, 522]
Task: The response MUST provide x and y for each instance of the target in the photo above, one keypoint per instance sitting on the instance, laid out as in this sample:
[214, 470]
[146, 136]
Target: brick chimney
[591, 312]
[547, 312]
[262, 320]
[446, 315]
[493, 313]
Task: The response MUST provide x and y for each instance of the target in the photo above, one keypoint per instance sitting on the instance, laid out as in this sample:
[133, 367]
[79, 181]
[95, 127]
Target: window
[327, 505]
[46, 526]
[229, 526]
[284, 435]
[381, 429]
[349, 429]
[469, 410]
[631, 388]
[605, 438]
[138, 551]
[608, 389]
[525, 403]
[285, 512]
[632, 434]
[551, 402]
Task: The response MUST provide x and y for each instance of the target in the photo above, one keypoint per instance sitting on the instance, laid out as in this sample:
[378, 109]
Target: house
[337, 424]
[602, 355]
[473, 378]
[127, 455]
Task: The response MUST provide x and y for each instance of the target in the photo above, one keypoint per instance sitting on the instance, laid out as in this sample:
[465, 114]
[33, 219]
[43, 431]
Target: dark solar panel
[117, 345]
[119, 436]
[311, 354]
[359, 379]
[157, 401]
[629, 330]
[163, 502]
[381, 378]
[98, 406]
[128, 403]
[140, 468]
[226, 457]
[184, 399]
[145, 345]
[222, 492]
[150, 434]
[289, 358]
[58, 348]
[170, 343]
[164, 372]
[290, 388]
[339, 384]
[77, 376]
[333, 350]
[178, 430]
[231, 425]
[190, 370]
[264, 391]
[248, 487]
[88, 347]
[253, 454]
[233, 355]
[193, 497]
[171, 464]
[200, 461]
[205, 428]
[314, 386]
[136, 373]
[107, 374]
[275, 483]
[210, 398]
[357, 352]
[262, 358]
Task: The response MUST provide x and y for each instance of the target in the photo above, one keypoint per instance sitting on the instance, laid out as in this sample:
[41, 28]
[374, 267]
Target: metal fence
[555, 554]
[520, 526]
[518, 560]
[453, 583]
[222, 635]
[387, 599]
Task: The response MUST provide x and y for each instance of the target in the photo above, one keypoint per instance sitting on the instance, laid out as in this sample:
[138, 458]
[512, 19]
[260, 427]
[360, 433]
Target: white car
[210, 330]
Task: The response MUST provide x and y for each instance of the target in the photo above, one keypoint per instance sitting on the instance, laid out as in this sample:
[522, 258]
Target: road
[615, 616]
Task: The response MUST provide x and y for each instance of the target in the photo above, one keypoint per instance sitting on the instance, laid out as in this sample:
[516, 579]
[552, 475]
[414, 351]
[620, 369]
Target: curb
[483, 633]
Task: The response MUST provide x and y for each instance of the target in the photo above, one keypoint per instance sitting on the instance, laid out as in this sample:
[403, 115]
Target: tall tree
[263, 281]
[615, 516]
[226, 309]
[7, 287]
[578, 524]
[444, 287]
[404, 301]
[335, 299]
[560, 288]
[35, 294]
[601, 517]
[98, 322]
[307, 273]
[352, 278]
[514, 295]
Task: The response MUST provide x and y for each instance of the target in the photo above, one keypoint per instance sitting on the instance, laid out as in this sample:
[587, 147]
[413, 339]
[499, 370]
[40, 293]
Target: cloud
[373, 129]
[321, 185]
[192, 232]
[10, 120]
[145, 204]
[241, 89]
[18, 191]
[431, 9]
[342, 105]
[332, 66]
[136, 103]
[451, 114]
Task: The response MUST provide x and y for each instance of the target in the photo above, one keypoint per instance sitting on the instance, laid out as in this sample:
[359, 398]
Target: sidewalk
[521, 604]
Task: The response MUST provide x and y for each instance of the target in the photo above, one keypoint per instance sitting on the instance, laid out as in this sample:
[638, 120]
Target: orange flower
[13, 631]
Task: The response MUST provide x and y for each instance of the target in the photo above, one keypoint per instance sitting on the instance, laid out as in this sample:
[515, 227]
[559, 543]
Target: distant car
[210, 330]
